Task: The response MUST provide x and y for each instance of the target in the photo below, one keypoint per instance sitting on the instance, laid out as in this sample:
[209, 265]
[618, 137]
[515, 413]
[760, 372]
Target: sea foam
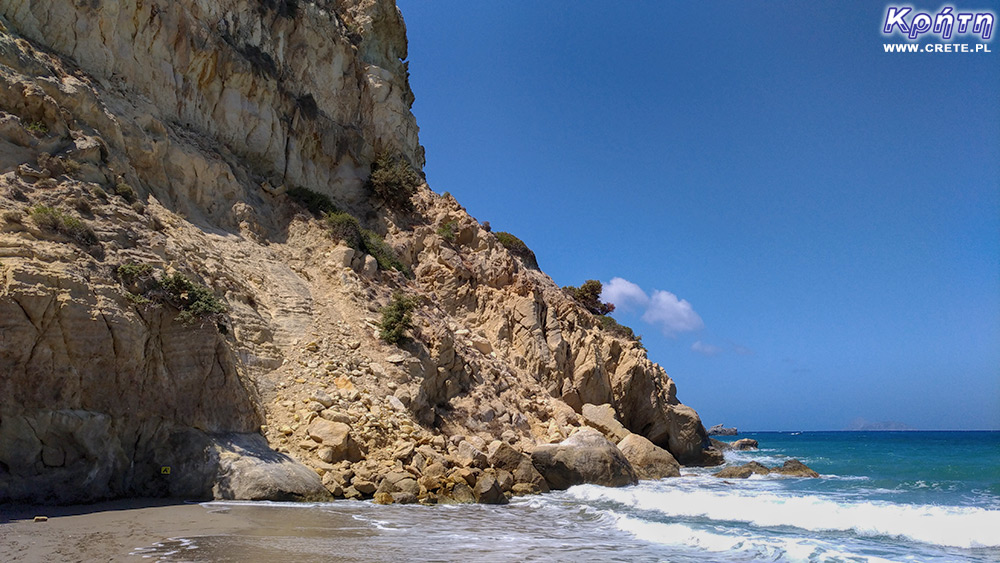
[965, 527]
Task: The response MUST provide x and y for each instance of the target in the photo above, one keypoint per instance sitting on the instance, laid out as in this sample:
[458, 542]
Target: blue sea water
[882, 496]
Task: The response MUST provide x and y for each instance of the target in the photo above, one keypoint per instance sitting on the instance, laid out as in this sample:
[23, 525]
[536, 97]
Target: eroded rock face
[169, 134]
[585, 457]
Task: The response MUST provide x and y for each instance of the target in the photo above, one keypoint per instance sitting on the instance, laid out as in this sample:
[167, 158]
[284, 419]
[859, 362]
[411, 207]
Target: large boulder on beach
[503, 456]
[584, 457]
[687, 439]
[247, 469]
[649, 460]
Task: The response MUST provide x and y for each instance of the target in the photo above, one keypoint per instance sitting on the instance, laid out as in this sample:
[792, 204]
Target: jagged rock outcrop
[164, 303]
[720, 430]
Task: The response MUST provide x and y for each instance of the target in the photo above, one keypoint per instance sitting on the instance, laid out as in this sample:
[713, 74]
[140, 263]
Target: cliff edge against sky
[176, 318]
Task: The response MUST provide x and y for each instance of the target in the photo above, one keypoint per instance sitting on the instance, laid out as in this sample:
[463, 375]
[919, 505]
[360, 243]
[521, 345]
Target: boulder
[603, 418]
[795, 468]
[720, 445]
[687, 439]
[250, 470]
[585, 457]
[649, 460]
[791, 468]
[745, 444]
[470, 456]
[337, 437]
[462, 493]
[720, 430]
[743, 471]
[488, 491]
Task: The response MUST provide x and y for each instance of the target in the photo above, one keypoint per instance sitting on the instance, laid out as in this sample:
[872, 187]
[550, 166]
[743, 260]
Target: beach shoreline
[105, 531]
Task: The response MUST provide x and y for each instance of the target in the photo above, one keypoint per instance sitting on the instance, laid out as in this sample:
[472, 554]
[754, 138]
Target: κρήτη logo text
[944, 24]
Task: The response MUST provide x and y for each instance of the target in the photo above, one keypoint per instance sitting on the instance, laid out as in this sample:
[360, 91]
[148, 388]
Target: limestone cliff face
[164, 135]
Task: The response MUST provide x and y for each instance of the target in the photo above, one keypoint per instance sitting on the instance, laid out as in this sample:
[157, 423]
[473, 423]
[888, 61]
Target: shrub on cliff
[611, 325]
[589, 295]
[344, 226]
[448, 231]
[397, 318]
[386, 257]
[517, 247]
[193, 300]
[52, 219]
[393, 182]
[315, 202]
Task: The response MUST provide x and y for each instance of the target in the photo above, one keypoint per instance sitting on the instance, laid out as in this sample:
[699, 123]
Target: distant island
[863, 425]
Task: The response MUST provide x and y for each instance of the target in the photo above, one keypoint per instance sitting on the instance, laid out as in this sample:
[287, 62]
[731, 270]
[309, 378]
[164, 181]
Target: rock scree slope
[176, 318]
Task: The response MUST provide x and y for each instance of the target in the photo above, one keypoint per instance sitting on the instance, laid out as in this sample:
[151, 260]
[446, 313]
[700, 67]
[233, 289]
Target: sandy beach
[107, 531]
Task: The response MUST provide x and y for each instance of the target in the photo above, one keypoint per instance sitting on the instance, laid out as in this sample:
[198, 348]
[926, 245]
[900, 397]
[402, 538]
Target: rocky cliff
[172, 322]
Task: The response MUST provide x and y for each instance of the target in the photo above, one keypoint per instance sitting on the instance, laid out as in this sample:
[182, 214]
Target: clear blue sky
[809, 226]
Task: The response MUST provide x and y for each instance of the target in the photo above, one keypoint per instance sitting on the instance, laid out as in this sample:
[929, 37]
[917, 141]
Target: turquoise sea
[883, 496]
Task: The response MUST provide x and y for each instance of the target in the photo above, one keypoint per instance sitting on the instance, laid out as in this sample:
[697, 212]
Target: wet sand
[107, 531]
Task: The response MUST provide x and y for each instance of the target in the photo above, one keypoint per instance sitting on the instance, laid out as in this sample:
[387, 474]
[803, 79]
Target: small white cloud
[625, 295]
[706, 349]
[673, 314]
[662, 309]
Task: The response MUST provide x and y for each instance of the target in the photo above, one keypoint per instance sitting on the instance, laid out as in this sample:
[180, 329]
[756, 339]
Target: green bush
[517, 247]
[589, 295]
[448, 231]
[611, 325]
[397, 318]
[54, 220]
[344, 226]
[125, 191]
[374, 244]
[37, 128]
[315, 202]
[194, 301]
[393, 182]
[131, 271]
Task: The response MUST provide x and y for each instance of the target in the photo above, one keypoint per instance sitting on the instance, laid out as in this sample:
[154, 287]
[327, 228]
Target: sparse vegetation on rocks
[52, 219]
[589, 295]
[125, 191]
[315, 202]
[517, 247]
[344, 226]
[393, 181]
[611, 325]
[448, 231]
[397, 318]
[386, 257]
[37, 128]
[194, 301]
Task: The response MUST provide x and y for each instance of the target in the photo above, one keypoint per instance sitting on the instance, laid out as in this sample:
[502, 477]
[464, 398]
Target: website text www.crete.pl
[936, 48]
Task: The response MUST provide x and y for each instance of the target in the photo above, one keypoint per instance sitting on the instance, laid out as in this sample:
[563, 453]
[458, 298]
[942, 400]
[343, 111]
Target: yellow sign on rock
[165, 470]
